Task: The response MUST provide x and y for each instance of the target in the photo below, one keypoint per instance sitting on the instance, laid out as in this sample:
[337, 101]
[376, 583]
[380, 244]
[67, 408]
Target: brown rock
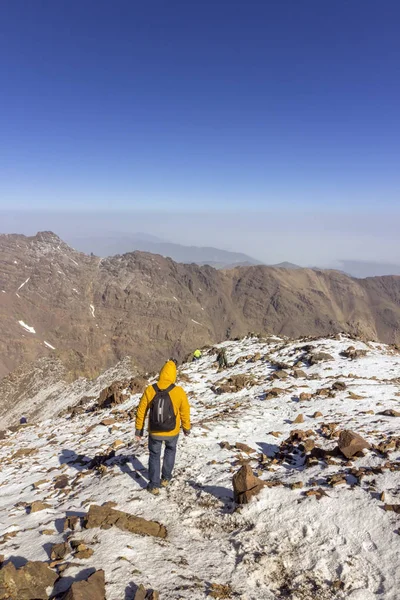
[339, 386]
[317, 414]
[299, 374]
[91, 589]
[38, 505]
[392, 508]
[305, 396]
[244, 448]
[299, 419]
[350, 443]
[105, 517]
[108, 421]
[61, 482]
[274, 393]
[71, 522]
[58, 551]
[143, 594]
[246, 485]
[390, 413]
[29, 582]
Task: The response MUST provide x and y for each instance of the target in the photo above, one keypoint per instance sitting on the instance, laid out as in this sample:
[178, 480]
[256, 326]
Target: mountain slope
[92, 312]
[322, 527]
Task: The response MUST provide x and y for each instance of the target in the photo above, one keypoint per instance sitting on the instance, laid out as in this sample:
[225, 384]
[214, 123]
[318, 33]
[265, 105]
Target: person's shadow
[128, 463]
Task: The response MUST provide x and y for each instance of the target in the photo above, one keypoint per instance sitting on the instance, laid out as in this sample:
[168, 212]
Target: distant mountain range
[116, 244]
[92, 312]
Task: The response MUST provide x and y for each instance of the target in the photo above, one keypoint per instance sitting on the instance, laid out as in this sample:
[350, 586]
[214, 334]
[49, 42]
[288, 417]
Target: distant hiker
[23, 421]
[168, 408]
[221, 358]
[197, 354]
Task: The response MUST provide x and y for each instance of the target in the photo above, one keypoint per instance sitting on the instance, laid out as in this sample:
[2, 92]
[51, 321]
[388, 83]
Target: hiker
[197, 355]
[221, 358]
[23, 421]
[168, 409]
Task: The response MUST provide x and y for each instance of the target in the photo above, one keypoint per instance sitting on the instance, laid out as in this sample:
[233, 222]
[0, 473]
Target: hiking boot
[154, 491]
[164, 482]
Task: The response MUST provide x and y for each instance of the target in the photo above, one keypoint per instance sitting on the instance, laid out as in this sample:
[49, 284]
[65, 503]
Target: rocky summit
[86, 313]
[263, 504]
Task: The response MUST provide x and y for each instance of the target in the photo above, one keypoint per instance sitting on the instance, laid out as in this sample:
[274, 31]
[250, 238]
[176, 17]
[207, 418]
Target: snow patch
[92, 309]
[27, 327]
[49, 345]
[197, 323]
[22, 284]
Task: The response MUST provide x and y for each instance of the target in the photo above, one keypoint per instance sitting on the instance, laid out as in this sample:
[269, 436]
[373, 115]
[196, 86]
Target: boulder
[29, 582]
[339, 386]
[143, 594]
[38, 505]
[105, 517]
[299, 418]
[390, 412]
[352, 353]
[58, 551]
[61, 482]
[317, 357]
[350, 443]
[305, 396]
[113, 394]
[246, 485]
[93, 588]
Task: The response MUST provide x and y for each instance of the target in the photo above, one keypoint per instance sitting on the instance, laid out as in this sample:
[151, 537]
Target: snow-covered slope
[285, 544]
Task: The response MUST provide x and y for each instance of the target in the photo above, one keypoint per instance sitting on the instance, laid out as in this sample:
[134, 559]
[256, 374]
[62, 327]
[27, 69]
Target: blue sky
[200, 106]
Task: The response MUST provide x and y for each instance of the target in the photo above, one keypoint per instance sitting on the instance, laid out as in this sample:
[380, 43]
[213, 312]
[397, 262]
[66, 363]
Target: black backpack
[162, 416]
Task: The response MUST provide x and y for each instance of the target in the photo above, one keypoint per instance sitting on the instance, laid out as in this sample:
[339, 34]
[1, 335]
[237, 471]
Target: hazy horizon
[303, 239]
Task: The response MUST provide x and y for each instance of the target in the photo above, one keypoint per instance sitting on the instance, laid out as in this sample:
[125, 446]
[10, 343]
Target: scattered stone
[71, 522]
[305, 396]
[48, 532]
[299, 419]
[37, 484]
[392, 508]
[93, 588]
[29, 582]
[297, 485]
[106, 517]
[274, 393]
[339, 386]
[318, 493]
[390, 413]
[107, 422]
[275, 433]
[143, 594]
[352, 353]
[353, 396]
[350, 443]
[61, 482]
[278, 375]
[23, 453]
[246, 485]
[117, 444]
[219, 591]
[245, 448]
[318, 357]
[299, 374]
[58, 551]
[38, 505]
[317, 414]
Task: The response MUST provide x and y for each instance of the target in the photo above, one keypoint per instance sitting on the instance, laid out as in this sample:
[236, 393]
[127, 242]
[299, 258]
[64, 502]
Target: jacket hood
[167, 374]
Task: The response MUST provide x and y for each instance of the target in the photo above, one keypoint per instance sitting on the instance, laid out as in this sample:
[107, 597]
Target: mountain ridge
[92, 312]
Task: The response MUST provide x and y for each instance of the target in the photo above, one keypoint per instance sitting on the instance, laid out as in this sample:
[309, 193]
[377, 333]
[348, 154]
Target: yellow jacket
[179, 400]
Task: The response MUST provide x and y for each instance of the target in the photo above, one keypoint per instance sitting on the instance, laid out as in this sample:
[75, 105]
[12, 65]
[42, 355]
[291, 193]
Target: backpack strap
[167, 390]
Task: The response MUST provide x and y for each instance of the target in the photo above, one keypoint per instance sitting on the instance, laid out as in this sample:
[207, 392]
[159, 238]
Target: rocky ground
[316, 512]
